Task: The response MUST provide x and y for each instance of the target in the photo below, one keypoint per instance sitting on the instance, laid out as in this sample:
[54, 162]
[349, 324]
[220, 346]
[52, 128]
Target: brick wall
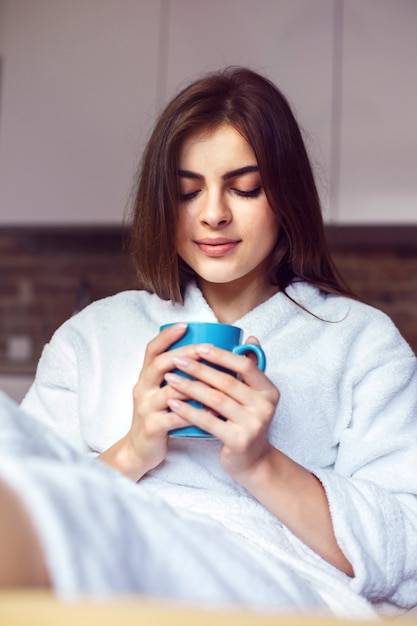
[46, 274]
[380, 265]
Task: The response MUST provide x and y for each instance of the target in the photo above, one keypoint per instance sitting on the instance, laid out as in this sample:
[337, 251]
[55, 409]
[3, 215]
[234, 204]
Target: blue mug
[223, 336]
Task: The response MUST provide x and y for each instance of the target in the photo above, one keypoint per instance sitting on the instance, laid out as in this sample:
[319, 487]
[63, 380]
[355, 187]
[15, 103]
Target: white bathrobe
[348, 413]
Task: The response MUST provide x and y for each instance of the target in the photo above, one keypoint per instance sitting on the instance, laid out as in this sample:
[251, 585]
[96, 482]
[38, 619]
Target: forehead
[223, 145]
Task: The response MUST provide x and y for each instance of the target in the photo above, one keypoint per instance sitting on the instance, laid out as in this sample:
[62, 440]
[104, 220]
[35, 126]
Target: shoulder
[134, 300]
[354, 322]
[111, 318]
[126, 304]
[337, 307]
[373, 335]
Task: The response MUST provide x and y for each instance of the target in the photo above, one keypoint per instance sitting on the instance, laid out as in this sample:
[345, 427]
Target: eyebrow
[232, 174]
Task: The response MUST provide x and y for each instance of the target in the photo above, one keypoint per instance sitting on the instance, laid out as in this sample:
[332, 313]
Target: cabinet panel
[290, 41]
[378, 180]
[79, 88]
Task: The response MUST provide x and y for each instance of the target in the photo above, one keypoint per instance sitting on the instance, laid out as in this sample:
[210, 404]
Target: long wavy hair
[254, 106]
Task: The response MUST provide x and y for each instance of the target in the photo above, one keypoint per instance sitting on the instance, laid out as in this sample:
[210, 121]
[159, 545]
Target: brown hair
[258, 110]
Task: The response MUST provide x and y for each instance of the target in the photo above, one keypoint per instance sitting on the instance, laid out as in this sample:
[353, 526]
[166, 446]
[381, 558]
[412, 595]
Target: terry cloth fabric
[348, 413]
[101, 534]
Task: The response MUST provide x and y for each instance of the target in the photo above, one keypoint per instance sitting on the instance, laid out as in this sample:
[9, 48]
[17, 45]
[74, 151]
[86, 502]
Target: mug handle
[257, 350]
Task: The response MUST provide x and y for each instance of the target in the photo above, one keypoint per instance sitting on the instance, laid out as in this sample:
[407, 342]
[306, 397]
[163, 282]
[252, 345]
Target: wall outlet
[19, 348]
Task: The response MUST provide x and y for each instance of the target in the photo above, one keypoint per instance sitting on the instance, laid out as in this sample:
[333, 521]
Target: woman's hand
[248, 404]
[288, 490]
[145, 445]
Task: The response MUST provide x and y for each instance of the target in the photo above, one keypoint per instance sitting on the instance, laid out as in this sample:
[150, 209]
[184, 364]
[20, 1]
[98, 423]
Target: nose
[215, 212]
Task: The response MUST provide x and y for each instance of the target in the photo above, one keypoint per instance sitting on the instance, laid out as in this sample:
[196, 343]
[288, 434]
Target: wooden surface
[40, 609]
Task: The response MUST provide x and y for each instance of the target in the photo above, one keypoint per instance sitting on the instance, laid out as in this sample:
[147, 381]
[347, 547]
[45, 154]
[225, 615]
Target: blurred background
[81, 84]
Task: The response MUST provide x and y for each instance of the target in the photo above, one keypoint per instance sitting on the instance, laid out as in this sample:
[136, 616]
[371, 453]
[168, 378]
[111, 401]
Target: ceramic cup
[223, 336]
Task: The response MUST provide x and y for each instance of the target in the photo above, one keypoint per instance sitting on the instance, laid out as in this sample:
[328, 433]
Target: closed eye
[252, 193]
[184, 197]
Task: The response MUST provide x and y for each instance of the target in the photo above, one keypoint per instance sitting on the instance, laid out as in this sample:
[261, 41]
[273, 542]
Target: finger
[205, 419]
[225, 395]
[251, 355]
[171, 393]
[223, 392]
[245, 367]
[164, 340]
[252, 339]
[163, 422]
[158, 355]
[154, 400]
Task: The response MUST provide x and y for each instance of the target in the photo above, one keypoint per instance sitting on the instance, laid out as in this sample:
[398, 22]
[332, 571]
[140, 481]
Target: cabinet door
[378, 181]
[79, 89]
[290, 41]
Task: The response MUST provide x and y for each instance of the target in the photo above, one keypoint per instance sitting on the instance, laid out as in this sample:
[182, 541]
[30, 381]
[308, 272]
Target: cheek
[183, 219]
[274, 230]
[270, 237]
[267, 227]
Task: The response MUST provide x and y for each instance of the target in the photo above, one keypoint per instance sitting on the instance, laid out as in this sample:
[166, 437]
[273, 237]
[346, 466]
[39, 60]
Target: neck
[231, 301]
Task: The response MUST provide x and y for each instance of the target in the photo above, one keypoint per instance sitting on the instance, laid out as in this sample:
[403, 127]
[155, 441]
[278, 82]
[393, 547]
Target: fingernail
[180, 361]
[174, 404]
[180, 326]
[204, 348]
[173, 378]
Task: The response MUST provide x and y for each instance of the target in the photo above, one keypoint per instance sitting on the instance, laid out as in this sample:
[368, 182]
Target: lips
[218, 246]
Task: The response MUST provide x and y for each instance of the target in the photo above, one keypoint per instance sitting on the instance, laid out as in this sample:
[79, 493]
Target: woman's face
[226, 228]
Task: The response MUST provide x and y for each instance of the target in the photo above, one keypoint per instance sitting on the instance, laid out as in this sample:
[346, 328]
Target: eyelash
[186, 197]
[253, 193]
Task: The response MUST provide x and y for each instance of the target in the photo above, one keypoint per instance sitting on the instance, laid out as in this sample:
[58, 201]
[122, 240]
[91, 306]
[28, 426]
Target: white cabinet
[349, 70]
[79, 88]
[378, 176]
[290, 41]
[82, 80]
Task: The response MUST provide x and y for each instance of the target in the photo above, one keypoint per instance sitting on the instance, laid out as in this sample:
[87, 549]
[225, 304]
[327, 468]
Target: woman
[307, 495]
